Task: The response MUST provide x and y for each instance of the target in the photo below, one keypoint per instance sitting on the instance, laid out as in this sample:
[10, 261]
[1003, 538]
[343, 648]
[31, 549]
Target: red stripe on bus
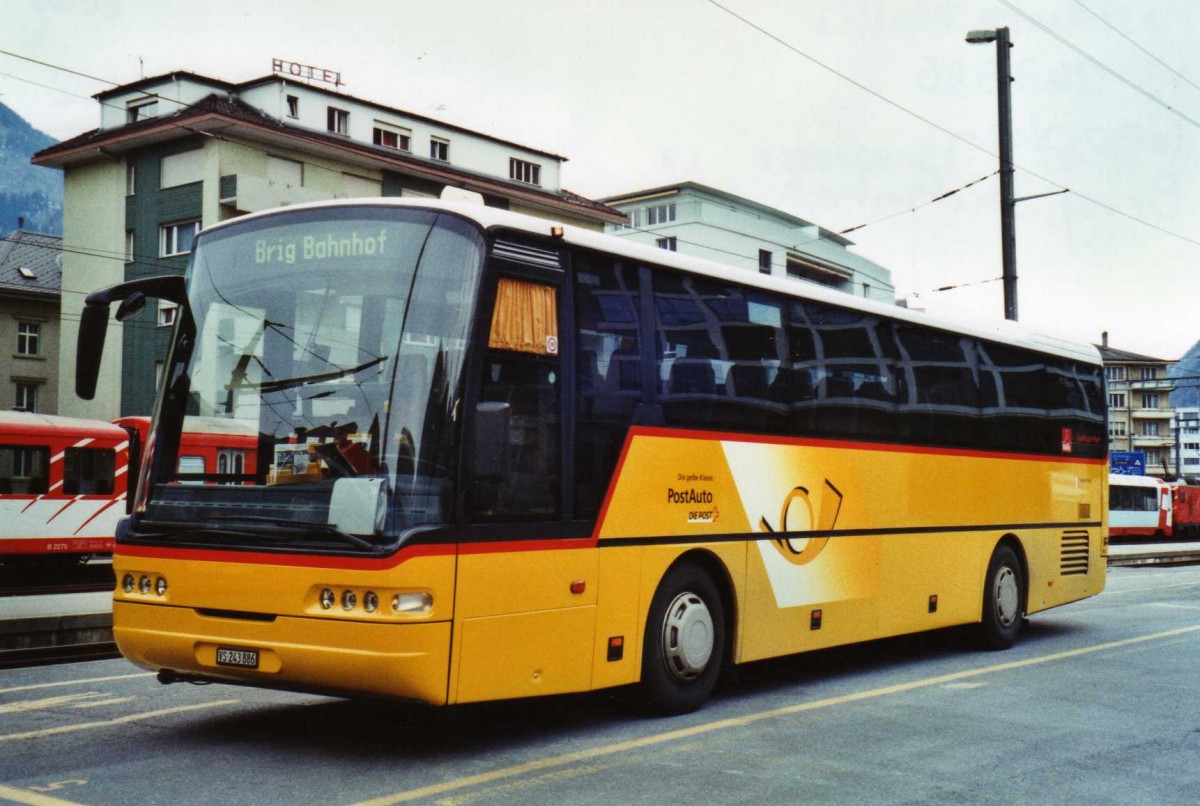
[289, 560]
[56, 545]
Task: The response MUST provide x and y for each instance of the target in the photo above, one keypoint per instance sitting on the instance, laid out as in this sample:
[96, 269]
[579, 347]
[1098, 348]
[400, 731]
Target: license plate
[242, 658]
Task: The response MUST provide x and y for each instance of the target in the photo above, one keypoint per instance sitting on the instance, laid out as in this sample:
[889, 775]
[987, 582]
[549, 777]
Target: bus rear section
[62, 487]
[1139, 507]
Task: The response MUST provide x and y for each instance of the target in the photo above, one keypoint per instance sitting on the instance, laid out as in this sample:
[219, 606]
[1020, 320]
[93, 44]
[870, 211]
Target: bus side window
[521, 377]
[608, 372]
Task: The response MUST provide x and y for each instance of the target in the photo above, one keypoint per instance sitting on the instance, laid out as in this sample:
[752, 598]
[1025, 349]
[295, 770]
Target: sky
[841, 112]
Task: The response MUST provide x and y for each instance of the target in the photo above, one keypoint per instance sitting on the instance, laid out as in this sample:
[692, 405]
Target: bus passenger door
[526, 592]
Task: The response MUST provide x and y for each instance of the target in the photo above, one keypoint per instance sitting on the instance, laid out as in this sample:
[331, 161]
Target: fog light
[370, 602]
[127, 583]
[144, 584]
[349, 600]
[326, 599]
[412, 602]
[160, 586]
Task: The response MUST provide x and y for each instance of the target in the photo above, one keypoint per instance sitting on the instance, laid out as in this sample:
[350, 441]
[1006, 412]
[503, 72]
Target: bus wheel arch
[687, 640]
[1005, 595]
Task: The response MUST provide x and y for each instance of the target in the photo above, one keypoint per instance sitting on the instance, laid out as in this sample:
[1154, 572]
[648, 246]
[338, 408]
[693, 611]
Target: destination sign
[339, 244]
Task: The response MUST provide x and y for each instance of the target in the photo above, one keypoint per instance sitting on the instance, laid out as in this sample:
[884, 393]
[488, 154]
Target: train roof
[490, 218]
[1135, 481]
[24, 422]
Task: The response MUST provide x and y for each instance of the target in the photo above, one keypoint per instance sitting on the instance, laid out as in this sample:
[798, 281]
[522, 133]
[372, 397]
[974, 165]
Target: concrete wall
[93, 249]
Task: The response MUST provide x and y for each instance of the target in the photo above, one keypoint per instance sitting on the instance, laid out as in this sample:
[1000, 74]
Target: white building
[179, 152]
[703, 221]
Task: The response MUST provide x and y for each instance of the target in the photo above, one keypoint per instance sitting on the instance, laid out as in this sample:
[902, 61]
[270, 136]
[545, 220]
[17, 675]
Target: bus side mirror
[93, 322]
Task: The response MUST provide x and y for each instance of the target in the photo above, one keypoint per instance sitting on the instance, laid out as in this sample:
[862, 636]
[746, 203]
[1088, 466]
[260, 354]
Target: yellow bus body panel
[276, 609]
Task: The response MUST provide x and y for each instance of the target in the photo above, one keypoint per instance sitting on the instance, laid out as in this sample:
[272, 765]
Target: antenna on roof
[141, 68]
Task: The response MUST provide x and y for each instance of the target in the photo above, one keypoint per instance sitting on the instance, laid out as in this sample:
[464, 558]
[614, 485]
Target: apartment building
[1140, 415]
[178, 152]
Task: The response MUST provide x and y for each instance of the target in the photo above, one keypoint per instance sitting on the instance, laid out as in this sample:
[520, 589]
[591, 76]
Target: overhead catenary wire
[917, 116]
[1137, 45]
[1139, 89]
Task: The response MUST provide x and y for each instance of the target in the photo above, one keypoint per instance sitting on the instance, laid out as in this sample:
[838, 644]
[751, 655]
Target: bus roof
[998, 330]
[29, 423]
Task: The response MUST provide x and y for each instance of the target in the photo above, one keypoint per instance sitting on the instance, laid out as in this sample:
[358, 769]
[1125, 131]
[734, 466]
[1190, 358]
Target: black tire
[684, 646]
[1003, 600]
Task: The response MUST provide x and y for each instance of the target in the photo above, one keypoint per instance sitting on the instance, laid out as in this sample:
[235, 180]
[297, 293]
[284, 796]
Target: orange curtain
[525, 318]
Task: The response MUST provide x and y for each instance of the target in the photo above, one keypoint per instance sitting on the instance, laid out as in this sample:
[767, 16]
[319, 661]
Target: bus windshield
[337, 336]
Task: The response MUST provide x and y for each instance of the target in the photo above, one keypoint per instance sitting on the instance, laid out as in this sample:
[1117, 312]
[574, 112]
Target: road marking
[15, 795]
[48, 702]
[750, 719]
[87, 682]
[99, 703]
[105, 723]
[1176, 606]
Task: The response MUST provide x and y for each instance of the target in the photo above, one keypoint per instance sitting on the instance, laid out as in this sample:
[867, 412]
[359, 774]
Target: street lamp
[1008, 230]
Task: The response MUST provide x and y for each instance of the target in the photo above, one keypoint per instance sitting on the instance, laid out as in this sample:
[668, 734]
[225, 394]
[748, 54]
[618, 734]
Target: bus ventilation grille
[525, 254]
[1075, 553]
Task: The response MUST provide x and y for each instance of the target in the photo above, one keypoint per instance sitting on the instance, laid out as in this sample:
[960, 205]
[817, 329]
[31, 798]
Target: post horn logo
[791, 541]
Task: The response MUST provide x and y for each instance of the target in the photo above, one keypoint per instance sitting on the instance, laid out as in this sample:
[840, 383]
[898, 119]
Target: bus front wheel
[1003, 600]
[684, 644]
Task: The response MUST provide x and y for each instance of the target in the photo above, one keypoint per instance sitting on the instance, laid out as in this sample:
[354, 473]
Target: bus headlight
[370, 601]
[144, 585]
[349, 600]
[160, 586]
[127, 583]
[326, 599]
[416, 602]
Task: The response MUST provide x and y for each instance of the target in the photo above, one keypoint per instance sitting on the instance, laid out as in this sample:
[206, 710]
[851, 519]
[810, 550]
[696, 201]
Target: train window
[89, 471]
[24, 470]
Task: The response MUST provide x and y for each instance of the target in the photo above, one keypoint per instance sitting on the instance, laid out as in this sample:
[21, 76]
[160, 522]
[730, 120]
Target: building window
[141, 109]
[666, 243]
[176, 239]
[28, 335]
[293, 104]
[764, 261]
[1149, 373]
[439, 149]
[1150, 401]
[338, 121]
[130, 241]
[392, 137]
[1150, 429]
[167, 312]
[522, 171]
[285, 172]
[1116, 429]
[27, 396]
[803, 270]
[130, 179]
[661, 214]
[1114, 373]
[1116, 400]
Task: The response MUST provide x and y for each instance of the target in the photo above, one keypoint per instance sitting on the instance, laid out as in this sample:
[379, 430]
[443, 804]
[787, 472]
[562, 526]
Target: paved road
[1099, 703]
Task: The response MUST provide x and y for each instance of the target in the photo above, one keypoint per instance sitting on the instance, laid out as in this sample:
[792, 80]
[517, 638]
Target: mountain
[1188, 369]
[27, 191]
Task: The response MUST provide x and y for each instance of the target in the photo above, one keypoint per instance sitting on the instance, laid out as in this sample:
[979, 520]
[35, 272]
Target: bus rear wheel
[685, 642]
[1003, 600]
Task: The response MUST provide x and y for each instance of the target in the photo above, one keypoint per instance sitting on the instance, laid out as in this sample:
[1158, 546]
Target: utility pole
[1008, 227]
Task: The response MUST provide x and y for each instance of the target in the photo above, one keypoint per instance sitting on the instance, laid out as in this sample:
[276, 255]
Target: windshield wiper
[292, 526]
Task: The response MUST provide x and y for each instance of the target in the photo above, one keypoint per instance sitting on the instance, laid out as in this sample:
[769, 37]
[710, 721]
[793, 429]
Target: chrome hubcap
[688, 636]
[1007, 596]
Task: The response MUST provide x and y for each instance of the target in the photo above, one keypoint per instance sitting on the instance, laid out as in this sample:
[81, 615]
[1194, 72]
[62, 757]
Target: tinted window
[89, 471]
[608, 372]
[24, 470]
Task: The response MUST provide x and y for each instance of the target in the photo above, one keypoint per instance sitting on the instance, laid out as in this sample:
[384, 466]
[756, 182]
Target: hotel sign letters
[284, 67]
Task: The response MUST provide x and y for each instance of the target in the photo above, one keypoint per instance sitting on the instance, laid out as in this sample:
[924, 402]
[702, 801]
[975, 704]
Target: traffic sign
[1127, 463]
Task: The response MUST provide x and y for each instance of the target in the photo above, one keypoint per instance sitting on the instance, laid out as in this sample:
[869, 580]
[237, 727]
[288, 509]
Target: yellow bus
[498, 457]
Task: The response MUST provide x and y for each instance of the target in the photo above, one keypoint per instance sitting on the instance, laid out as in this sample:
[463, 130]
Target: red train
[1186, 503]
